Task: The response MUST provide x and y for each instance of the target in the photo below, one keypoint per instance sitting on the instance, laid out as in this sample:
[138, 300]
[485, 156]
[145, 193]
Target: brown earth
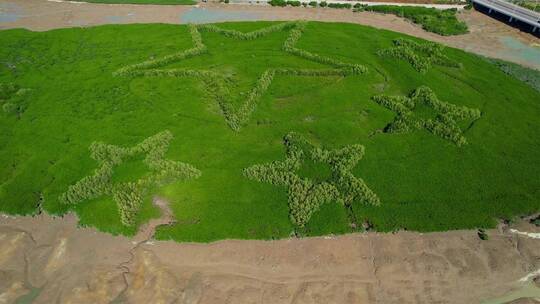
[484, 36]
[65, 264]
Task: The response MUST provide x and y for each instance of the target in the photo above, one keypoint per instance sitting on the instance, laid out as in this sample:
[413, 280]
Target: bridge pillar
[489, 12]
[511, 19]
[534, 29]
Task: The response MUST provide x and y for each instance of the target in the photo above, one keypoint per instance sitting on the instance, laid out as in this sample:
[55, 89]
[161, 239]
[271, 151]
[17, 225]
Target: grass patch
[527, 75]
[442, 22]
[424, 181]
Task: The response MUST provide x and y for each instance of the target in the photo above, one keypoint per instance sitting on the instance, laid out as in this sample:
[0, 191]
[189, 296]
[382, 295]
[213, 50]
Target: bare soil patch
[67, 264]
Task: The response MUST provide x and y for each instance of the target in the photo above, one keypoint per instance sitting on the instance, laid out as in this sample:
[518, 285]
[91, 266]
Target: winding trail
[147, 231]
[144, 236]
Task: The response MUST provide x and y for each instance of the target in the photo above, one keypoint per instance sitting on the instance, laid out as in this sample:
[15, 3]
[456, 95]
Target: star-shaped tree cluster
[306, 196]
[444, 122]
[12, 98]
[218, 84]
[420, 56]
[129, 195]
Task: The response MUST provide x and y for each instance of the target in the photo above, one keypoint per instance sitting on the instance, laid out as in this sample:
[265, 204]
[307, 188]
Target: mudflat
[51, 260]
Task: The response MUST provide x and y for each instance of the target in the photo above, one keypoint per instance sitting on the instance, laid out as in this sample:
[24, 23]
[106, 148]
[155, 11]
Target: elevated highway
[514, 12]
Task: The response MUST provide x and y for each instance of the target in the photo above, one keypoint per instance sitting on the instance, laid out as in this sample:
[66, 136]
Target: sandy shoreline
[62, 263]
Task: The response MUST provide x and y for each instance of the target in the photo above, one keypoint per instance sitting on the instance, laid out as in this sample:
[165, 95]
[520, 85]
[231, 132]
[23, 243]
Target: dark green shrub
[313, 3]
[294, 3]
[9, 108]
[340, 5]
[13, 99]
[7, 90]
[359, 7]
[442, 22]
[482, 235]
[277, 2]
[323, 4]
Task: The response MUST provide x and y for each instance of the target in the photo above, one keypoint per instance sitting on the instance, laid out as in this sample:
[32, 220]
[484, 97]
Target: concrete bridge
[514, 12]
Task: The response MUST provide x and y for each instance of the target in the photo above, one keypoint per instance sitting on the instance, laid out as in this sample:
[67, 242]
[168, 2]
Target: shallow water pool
[520, 51]
[204, 15]
[528, 291]
[9, 12]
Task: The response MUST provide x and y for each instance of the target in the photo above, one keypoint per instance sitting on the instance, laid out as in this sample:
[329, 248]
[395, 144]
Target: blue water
[6, 17]
[119, 19]
[521, 51]
[9, 12]
[115, 19]
[203, 15]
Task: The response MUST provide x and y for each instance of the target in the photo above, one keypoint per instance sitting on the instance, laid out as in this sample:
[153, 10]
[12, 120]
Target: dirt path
[56, 262]
[144, 236]
[487, 36]
[146, 232]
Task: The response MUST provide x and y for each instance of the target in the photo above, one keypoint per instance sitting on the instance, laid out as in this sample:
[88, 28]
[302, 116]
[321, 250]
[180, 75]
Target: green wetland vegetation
[527, 75]
[442, 22]
[262, 130]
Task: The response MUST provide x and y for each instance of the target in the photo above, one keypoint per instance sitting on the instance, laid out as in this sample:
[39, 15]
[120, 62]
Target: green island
[262, 130]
